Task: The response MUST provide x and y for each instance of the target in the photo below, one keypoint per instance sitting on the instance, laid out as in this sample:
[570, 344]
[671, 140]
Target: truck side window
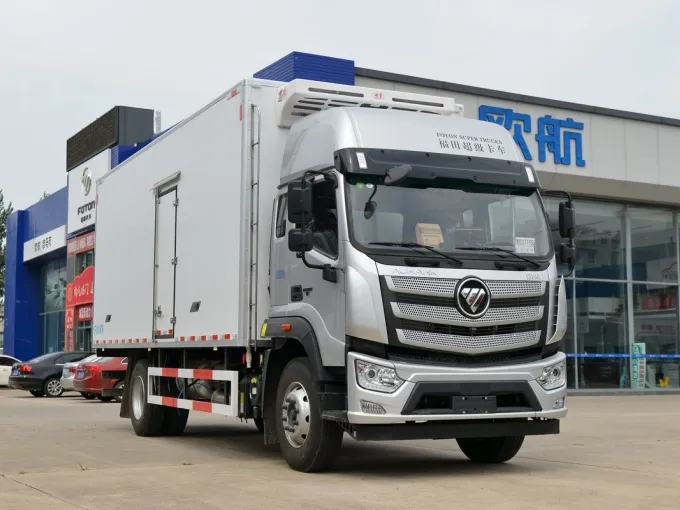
[324, 226]
[281, 213]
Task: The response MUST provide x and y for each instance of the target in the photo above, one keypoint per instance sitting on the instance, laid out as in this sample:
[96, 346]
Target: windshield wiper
[497, 249]
[415, 246]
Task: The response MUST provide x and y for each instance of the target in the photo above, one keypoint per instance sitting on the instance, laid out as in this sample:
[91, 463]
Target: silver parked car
[69, 372]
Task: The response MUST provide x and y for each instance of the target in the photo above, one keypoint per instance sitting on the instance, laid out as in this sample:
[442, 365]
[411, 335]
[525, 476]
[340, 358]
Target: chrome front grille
[445, 315]
[427, 317]
[466, 344]
[443, 287]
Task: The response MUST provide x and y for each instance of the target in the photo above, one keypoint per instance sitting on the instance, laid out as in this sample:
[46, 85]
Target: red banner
[69, 343]
[80, 244]
[85, 313]
[667, 302]
[81, 290]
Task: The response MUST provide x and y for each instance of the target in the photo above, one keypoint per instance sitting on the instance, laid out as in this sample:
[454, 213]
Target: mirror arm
[565, 194]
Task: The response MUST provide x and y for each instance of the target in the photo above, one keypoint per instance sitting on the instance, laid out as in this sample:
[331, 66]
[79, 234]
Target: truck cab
[416, 252]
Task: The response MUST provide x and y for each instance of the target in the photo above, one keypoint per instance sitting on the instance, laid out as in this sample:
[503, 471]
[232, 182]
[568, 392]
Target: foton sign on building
[82, 191]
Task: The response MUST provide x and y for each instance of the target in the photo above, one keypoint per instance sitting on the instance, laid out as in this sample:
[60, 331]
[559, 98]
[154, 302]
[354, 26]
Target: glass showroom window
[54, 297]
[654, 290]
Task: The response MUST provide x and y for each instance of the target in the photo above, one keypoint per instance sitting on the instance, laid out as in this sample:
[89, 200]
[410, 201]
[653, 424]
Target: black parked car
[41, 376]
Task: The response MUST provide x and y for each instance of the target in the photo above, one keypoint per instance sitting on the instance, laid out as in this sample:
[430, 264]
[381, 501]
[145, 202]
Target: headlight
[554, 376]
[377, 378]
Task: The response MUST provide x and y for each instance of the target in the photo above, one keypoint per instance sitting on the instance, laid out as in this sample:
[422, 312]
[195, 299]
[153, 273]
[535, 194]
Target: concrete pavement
[67, 453]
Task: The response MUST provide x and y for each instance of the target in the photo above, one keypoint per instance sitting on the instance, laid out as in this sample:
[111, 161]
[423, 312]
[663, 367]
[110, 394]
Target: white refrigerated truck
[325, 259]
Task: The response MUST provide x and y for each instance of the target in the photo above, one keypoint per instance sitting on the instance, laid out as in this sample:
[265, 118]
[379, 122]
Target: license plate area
[15, 372]
[80, 374]
[474, 404]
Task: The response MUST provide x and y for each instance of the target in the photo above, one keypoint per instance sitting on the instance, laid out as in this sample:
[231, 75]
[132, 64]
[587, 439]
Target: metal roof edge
[511, 96]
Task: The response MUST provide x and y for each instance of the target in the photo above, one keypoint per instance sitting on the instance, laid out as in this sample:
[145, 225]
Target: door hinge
[174, 261]
[158, 312]
[158, 199]
[175, 202]
[173, 321]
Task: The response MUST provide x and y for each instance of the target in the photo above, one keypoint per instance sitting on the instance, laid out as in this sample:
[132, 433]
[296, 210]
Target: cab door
[311, 296]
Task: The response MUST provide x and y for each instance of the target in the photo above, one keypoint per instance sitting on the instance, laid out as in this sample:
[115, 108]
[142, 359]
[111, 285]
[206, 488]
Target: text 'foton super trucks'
[325, 259]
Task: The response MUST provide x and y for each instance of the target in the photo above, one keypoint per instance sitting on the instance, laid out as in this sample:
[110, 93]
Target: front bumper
[422, 380]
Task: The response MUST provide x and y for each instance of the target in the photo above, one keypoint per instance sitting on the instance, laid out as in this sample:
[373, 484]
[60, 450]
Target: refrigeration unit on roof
[301, 98]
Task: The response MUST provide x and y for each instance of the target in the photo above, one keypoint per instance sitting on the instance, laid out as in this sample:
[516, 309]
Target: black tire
[174, 421]
[322, 445]
[259, 423]
[149, 421]
[104, 399]
[89, 396]
[37, 393]
[491, 450]
[52, 388]
[119, 386]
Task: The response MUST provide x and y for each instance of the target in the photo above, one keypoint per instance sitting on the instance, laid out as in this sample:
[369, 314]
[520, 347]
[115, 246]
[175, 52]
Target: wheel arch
[291, 337]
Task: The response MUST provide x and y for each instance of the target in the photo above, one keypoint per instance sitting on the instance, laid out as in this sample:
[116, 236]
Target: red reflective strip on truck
[170, 402]
[192, 338]
[227, 336]
[182, 339]
[205, 407]
[204, 338]
[203, 374]
[169, 372]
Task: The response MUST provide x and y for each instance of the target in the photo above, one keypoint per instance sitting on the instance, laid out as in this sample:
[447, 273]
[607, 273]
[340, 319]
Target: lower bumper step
[453, 429]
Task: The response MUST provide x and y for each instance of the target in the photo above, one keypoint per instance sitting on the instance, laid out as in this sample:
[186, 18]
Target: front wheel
[89, 396]
[491, 450]
[37, 393]
[308, 442]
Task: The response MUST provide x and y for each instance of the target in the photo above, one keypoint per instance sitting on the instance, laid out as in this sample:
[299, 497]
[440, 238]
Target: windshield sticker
[429, 234]
[525, 245]
[362, 160]
[471, 144]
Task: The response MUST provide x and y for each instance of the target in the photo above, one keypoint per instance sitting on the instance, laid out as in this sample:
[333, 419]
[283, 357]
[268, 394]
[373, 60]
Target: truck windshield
[451, 215]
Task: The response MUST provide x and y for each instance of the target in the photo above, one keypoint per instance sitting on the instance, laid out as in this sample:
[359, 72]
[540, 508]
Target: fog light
[559, 403]
[376, 377]
[371, 407]
[554, 376]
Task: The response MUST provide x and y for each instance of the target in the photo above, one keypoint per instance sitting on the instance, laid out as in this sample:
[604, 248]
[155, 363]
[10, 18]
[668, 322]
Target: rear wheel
[259, 423]
[174, 421]
[491, 450]
[104, 399]
[37, 393]
[308, 443]
[89, 396]
[147, 419]
[52, 388]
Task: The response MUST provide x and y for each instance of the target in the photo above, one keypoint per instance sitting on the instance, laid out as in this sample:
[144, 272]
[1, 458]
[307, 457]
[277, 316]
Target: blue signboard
[555, 136]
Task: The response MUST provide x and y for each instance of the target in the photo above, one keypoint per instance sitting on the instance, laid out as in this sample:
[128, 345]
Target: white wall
[625, 159]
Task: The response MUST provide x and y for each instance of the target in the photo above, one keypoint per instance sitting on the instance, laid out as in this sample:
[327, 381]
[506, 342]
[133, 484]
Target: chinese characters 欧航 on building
[557, 136]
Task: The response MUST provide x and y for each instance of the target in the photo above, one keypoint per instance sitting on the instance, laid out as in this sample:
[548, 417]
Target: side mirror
[300, 240]
[568, 255]
[567, 220]
[299, 202]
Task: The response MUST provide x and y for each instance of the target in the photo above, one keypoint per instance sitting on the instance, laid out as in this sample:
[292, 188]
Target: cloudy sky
[63, 63]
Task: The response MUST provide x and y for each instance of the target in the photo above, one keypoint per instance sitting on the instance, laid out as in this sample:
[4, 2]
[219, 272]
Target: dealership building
[619, 166]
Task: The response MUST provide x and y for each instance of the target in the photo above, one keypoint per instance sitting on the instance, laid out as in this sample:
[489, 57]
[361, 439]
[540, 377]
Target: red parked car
[99, 375]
